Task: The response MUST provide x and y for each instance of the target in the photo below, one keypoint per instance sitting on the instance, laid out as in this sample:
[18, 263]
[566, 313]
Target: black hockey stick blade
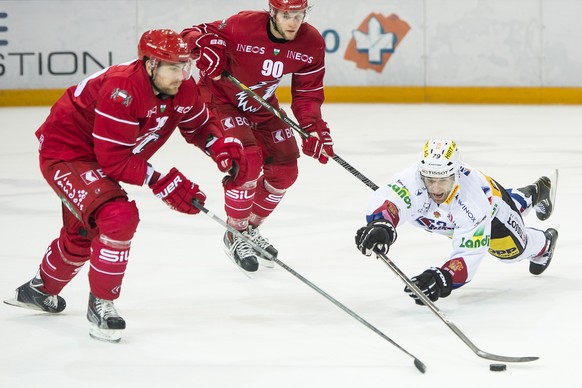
[428, 303]
[417, 363]
[296, 127]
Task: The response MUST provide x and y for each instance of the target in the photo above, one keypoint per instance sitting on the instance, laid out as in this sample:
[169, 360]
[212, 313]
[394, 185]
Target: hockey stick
[388, 262]
[417, 363]
[447, 322]
[283, 117]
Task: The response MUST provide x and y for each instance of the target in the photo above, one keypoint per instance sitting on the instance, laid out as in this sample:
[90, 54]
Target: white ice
[194, 320]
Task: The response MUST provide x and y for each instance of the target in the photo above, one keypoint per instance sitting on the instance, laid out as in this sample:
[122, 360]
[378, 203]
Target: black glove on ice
[435, 283]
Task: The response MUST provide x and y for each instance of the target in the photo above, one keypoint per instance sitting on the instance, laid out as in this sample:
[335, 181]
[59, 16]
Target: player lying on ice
[445, 196]
[101, 133]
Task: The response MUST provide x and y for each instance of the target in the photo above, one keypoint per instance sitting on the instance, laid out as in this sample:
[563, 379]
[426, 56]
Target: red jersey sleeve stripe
[201, 124]
[115, 118]
[309, 90]
[113, 141]
[311, 72]
[196, 115]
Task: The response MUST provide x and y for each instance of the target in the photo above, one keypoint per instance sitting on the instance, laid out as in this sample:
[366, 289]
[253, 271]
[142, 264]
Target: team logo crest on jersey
[455, 265]
[268, 89]
[375, 40]
[276, 51]
[121, 96]
[162, 108]
[388, 211]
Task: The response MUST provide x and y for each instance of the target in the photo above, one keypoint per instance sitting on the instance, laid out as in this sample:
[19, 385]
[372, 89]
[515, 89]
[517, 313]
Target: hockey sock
[108, 263]
[58, 268]
[267, 198]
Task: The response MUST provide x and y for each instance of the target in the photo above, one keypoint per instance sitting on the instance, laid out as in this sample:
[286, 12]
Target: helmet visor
[172, 70]
[296, 16]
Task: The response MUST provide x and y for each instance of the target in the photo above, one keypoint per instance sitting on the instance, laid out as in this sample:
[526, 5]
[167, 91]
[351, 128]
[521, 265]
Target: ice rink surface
[194, 320]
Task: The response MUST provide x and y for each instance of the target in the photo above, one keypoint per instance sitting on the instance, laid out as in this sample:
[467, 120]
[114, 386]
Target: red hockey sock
[58, 268]
[108, 263]
[266, 200]
[238, 203]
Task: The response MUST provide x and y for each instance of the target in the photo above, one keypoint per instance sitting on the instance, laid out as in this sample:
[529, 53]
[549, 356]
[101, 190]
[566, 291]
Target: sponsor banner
[413, 43]
[54, 44]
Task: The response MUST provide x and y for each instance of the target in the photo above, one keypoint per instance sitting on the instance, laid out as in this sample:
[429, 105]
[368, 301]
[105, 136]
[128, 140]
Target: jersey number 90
[274, 69]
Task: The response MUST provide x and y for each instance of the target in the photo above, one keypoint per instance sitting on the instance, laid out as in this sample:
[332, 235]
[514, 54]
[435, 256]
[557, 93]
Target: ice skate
[106, 324]
[543, 194]
[265, 244]
[31, 295]
[539, 264]
[240, 251]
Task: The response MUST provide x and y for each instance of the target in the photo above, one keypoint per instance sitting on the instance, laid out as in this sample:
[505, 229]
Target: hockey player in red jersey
[101, 133]
[259, 48]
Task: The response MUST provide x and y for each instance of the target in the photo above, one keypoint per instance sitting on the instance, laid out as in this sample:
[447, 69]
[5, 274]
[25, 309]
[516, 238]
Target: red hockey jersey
[260, 61]
[114, 118]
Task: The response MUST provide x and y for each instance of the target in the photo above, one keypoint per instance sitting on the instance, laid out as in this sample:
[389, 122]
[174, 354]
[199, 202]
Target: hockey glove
[178, 192]
[377, 236]
[212, 57]
[435, 283]
[319, 144]
[228, 153]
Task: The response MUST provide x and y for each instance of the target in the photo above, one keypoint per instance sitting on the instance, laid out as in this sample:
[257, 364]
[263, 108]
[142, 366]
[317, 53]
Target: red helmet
[289, 5]
[163, 45]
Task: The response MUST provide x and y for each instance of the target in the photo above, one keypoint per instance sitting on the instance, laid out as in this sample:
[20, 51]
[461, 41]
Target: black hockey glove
[377, 236]
[435, 283]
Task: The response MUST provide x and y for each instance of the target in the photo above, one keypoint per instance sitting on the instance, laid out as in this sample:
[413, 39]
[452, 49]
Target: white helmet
[440, 159]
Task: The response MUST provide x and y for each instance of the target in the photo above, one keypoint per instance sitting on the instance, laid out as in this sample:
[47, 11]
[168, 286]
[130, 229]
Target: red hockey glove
[178, 192]
[435, 283]
[319, 144]
[228, 153]
[212, 55]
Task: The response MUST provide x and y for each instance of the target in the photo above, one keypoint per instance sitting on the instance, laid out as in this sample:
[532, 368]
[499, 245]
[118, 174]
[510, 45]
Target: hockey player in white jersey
[443, 195]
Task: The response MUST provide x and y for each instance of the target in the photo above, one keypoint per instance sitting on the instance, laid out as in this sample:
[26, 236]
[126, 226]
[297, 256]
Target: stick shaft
[428, 303]
[419, 365]
[283, 117]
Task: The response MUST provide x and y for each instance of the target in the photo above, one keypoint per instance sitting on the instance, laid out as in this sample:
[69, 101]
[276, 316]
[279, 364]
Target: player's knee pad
[279, 177]
[117, 220]
[269, 188]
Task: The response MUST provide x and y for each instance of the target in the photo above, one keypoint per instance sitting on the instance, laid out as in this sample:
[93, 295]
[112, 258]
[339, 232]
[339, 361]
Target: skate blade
[105, 335]
[247, 274]
[554, 189]
[265, 262]
[15, 302]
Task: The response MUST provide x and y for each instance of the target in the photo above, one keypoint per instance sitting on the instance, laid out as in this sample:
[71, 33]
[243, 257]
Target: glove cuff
[210, 141]
[152, 176]
[444, 278]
